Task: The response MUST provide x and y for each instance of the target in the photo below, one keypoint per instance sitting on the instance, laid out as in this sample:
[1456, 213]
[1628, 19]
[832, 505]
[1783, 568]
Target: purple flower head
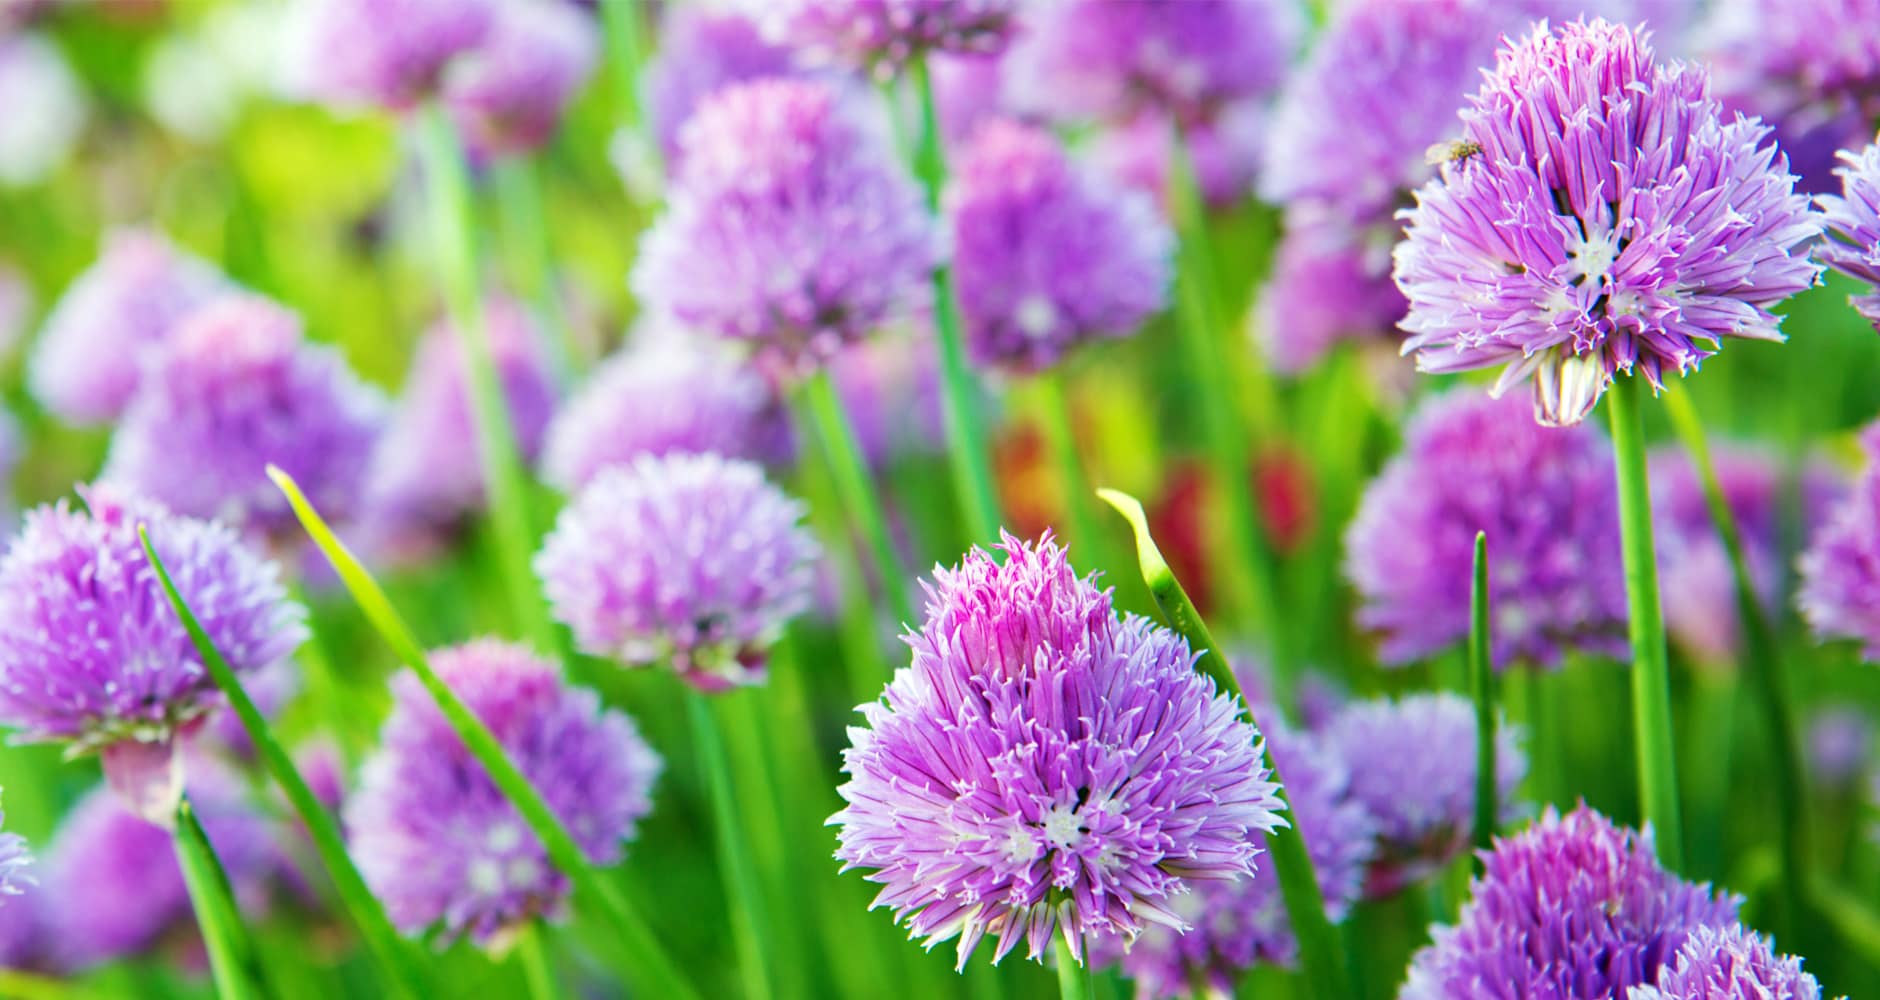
[1598, 215]
[891, 394]
[1840, 587]
[886, 35]
[1840, 743]
[1412, 764]
[1236, 925]
[235, 389]
[968, 91]
[1048, 255]
[16, 862]
[1111, 59]
[45, 105]
[1729, 963]
[1043, 762]
[1853, 243]
[1572, 908]
[23, 937]
[1329, 284]
[91, 652]
[700, 52]
[694, 560]
[790, 225]
[1546, 498]
[508, 93]
[426, 474]
[438, 841]
[664, 396]
[1698, 585]
[389, 53]
[88, 359]
[1226, 152]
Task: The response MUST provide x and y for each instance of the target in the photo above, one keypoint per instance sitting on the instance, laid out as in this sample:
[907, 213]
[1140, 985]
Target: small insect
[1453, 151]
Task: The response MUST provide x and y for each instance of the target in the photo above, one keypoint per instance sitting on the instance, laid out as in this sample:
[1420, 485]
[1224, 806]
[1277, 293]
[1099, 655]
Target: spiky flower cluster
[700, 52]
[1729, 963]
[441, 844]
[1048, 255]
[89, 356]
[508, 93]
[236, 389]
[1597, 216]
[1042, 763]
[692, 560]
[1572, 907]
[790, 226]
[887, 34]
[1853, 246]
[1546, 499]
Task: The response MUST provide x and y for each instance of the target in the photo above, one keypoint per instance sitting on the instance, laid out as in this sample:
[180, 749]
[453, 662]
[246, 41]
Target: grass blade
[1482, 687]
[216, 913]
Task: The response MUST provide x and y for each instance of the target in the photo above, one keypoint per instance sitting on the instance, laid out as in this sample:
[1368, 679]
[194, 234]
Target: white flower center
[1036, 316]
[1594, 255]
[1061, 827]
[1020, 846]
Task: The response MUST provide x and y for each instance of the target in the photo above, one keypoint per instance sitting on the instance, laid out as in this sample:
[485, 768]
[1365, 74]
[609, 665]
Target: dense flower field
[1315, 499]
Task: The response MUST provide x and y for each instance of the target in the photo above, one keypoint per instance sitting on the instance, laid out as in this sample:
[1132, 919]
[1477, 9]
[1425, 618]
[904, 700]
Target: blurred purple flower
[1729, 963]
[389, 53]
[1413, 769]
[1545, 497]
[1840, 587]
[236, 389]
[1329, 284]
[46, 108]
[1095, 773]
[891, 394]
[1840, 744]
[89, 356]
[438, 841]
[968, 91]
[886, 35]
[692, 560]
[1598, 215]
[1226, 152]
[1853, 243]
[508, 92]
[1699, 587]
[1572, 907]
[791, 225]
[700, 52]
[24, 941]
[1047, 255]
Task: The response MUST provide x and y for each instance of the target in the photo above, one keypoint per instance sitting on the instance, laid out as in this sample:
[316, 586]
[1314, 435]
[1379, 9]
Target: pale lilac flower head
[16, 862]
[1047, 254]
[1840, 743]
[885, 35]
[91, 652]
[700, 52]
[508, 93]
[662, 396]
[1330, 284]
[892, 395]
[1729, 963]
[46, 108]
[968, 91]
[1112, 59]
[1853, 243]
[441, 845]
[692, 560]
[87, 362]
[1598, 215]
[1840, 587]
[426, 474]
[1239, 924]
[791, 225]
[23, 937]
[1226, 152]
[388, 53]
[1413, 769]
[235, 389]
[1572, 908]
[1699, 587]
[1545, 497]
[1042, 763]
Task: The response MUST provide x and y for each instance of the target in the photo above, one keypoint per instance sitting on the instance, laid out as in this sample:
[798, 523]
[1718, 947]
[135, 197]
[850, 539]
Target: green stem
[1321, 949]
[454, 242]
[967, 452]
[626, 51]
[1061, 433]
[1482, 685]
[858, 494]
[1762, 660]
[742, 890]
[216, 911]
[519, 195]
[537, 970]
[1073, 976]
[640, 957]
[1651, 671]
[361, 905]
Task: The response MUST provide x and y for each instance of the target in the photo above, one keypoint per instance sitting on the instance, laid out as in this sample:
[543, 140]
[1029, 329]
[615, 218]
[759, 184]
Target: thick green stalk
[967, 451]
[641, 956]
[626, 52]
[537, 970]
[1321, 949]
[454, 243]
[858, 492]
[1762, 660]
[1074, 979]
[1651, 670]
[1060, 431]
[519, 196]
[361, 905]
[1482, 685]
[743, 891]
[214, 902]
[1248, 562]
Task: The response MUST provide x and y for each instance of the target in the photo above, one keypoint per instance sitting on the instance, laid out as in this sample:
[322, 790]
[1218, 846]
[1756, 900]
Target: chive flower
[440, 844]
[691, 560]
[1699, 585]
[507, 93]
[891, 393]
[384, 53]
[1598, 215]
[701, 51]
[1042, 764]
[885, 35]
[1330, 284]
[1839, 595]
[1853, 243]
[1730, 963]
